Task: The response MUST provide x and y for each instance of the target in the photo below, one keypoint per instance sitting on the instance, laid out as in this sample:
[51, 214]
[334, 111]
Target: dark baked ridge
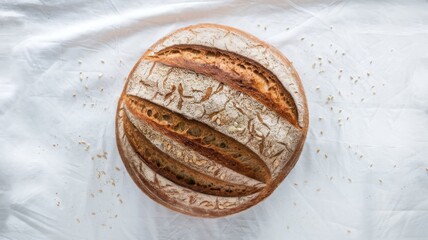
[200, 137]
[234, 70]
[161, 192]
[178, 173]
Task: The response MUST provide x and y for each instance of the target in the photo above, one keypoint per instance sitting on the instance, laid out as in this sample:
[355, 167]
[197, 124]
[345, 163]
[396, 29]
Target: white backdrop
[363, 170]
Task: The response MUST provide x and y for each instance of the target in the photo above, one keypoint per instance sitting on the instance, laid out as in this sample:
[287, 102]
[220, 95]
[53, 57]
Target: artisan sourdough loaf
[211, 120]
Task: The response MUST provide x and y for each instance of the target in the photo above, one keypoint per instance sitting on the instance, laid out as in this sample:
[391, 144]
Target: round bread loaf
[211, 120]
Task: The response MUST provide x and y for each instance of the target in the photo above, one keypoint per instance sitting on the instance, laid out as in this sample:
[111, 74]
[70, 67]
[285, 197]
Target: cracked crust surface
[211, 120]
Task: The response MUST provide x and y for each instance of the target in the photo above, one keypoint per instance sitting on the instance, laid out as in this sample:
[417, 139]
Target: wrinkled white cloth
[363, 170]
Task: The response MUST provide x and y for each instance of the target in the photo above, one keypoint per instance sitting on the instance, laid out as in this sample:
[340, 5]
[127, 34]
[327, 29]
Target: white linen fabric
[363, 172]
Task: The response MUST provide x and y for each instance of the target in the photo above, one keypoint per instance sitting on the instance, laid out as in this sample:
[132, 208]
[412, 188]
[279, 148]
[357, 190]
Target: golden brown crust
[215, 208]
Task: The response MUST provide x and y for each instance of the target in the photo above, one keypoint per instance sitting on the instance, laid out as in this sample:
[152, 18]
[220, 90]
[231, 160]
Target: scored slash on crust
[201, 138]
[179, 173]
[168, 193]
[234, 70]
